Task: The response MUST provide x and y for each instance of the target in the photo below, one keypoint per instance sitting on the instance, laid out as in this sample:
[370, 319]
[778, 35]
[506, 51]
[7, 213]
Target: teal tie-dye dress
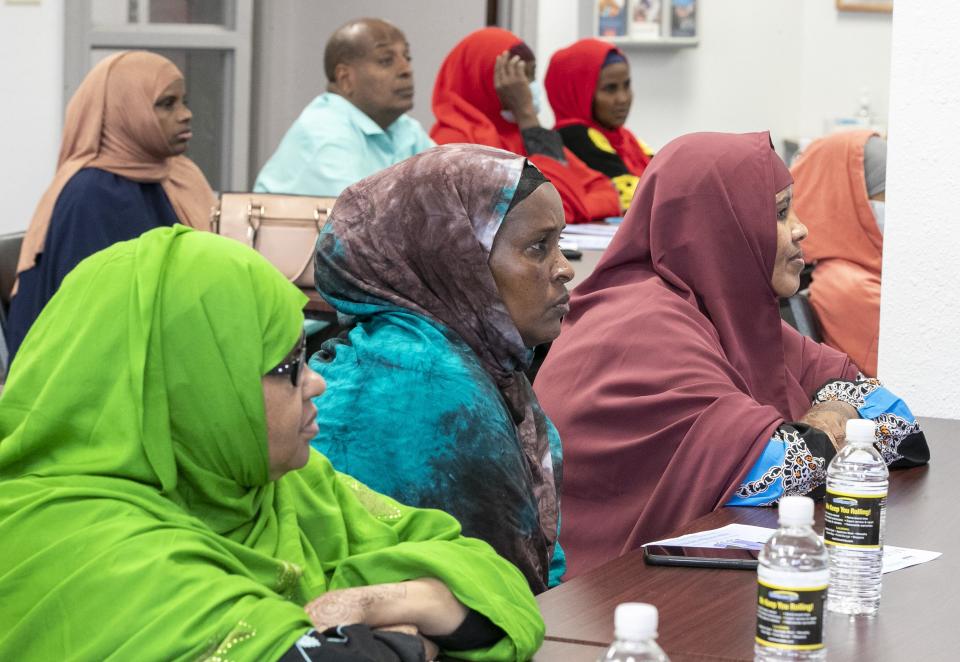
[426, 399]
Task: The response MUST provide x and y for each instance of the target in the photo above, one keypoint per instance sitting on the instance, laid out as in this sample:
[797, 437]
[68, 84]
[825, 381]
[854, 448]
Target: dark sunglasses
[292, 364]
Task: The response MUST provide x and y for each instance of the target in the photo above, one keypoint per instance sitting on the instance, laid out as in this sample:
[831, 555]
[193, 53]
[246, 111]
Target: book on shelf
[611, 18]
[683, 18]
[645, 19]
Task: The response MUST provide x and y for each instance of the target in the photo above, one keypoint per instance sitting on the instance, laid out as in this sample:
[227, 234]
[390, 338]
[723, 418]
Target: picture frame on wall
[882, 6]
[611, 18]
[645, 23]
[683, 18]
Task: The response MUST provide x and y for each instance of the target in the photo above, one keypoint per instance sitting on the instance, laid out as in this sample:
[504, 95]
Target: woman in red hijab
[674, 384]
[483, 95]
[841, 185]
[588, 85]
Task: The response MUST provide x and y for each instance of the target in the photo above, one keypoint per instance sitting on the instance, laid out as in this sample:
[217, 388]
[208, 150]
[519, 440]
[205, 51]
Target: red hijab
[574, 71]
[673, 368]
[467, 109]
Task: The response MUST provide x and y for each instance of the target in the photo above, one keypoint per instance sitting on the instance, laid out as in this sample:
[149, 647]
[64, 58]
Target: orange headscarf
[830, 198]
[110, 124]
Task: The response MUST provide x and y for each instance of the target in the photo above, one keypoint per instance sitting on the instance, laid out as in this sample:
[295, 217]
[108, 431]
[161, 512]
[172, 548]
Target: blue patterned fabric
[788, 456]
[410, 412]
[426, 399]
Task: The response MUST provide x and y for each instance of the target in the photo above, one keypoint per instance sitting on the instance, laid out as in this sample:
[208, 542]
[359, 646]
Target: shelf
[653, 42]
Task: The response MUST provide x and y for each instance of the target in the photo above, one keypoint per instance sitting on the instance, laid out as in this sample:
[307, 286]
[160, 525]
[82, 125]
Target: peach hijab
[830, 197]
[110, 124]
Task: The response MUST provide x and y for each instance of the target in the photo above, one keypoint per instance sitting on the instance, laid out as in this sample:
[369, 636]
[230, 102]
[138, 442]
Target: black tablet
[701, 557]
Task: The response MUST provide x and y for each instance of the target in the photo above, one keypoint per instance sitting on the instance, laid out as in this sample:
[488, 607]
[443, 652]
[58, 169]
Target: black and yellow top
[594, 149]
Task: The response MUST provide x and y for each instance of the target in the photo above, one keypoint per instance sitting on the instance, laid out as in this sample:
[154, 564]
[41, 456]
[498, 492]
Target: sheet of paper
[603, 229]
[589, 242]
[897, 558]
[745, 536]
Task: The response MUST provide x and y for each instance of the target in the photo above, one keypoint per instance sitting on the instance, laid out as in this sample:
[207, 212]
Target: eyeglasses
[292, 364]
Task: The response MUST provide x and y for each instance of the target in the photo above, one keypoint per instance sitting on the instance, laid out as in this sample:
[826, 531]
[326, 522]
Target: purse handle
[261, 217]
[253, 231]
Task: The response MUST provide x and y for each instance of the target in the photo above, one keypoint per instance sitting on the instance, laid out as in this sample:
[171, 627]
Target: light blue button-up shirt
[334, 144]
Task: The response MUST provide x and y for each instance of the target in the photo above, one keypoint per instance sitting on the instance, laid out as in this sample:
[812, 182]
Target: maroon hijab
[673, 368]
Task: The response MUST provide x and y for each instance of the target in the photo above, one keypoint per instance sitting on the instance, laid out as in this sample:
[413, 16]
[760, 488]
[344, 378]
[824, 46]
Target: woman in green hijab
[152, 500]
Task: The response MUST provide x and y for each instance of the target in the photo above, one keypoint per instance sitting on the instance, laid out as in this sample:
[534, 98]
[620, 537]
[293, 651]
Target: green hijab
[130, 528]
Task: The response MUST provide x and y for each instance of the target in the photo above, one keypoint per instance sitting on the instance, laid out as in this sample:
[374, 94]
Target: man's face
[381, 82]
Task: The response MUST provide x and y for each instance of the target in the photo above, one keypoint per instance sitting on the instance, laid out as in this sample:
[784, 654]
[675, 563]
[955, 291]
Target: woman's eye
[386, 61]
[782, 214]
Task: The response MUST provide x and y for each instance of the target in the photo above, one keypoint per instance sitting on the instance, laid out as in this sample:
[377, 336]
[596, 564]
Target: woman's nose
[799, 232]
[313, 383]
[565, 272]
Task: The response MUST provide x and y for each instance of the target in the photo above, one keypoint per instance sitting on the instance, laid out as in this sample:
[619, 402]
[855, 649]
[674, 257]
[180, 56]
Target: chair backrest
[798, 313]
[9, 256]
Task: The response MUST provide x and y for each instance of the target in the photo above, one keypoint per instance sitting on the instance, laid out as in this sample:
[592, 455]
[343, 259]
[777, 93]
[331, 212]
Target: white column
[31, 114]
[920, 311]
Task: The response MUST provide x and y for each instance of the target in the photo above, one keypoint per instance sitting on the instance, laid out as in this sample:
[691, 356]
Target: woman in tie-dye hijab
[449, 266]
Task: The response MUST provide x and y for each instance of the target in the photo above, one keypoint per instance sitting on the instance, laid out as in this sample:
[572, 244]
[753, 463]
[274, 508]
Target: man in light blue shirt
[358, 126]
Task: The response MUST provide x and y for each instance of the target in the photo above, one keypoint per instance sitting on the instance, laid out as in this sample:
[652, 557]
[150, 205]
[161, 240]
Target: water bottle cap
[796, 510]
[635, 621]
[861, 431]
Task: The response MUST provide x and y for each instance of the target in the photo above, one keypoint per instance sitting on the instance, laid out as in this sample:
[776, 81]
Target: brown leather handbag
[282, 228]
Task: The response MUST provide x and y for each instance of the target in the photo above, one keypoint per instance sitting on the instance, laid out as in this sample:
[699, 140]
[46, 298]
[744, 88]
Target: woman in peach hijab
[121, 172]
[840, 187]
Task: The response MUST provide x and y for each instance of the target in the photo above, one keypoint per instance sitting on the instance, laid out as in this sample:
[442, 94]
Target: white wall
[841, 54]
[920, 310]
[782, 65]
[31, 87]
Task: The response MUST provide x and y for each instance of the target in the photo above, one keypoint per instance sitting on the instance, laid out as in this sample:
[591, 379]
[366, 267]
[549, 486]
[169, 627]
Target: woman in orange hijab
[484, 95]
[121, 172]
[840, 185]
[588, 84]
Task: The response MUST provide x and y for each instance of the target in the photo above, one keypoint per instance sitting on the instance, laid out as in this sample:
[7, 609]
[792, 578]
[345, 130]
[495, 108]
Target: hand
[513, 89]
[831, 417]
[355, 605]
[426, 604]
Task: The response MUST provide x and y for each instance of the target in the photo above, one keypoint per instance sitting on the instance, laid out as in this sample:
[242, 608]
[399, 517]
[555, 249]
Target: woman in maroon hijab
[674, 384]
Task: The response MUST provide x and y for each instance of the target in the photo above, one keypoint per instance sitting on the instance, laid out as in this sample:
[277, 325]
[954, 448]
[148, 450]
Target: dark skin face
[790, 232]
[174, 116]
[612, 99]
[380, 82]
[530, 271]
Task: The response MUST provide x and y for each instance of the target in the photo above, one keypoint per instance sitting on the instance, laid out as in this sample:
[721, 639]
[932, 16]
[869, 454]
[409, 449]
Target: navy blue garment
[96, 209]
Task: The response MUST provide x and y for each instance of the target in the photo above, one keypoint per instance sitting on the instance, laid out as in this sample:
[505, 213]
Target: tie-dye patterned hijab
[415, 238]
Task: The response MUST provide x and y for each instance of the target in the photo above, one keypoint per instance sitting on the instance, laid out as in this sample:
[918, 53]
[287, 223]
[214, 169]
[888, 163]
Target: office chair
[798, 313]
[9, 256]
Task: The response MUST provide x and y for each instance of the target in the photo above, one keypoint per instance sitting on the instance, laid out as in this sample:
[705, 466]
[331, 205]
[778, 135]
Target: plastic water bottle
[635, 632]
[854, 517]
[791, 588]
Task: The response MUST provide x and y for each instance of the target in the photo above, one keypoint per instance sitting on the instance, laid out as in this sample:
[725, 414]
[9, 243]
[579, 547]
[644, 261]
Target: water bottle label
[853, 520]
[790, 618]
